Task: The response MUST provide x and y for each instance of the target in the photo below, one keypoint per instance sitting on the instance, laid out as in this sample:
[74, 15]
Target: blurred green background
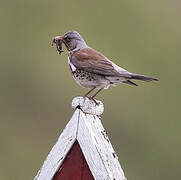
[36, 89]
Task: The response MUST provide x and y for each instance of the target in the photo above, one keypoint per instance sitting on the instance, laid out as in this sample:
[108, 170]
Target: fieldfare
[90, 68]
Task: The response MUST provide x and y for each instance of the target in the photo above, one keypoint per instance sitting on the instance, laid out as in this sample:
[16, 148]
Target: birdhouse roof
[87, 130]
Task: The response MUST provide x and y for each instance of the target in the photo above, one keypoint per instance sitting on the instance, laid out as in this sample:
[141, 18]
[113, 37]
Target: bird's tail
[142, 77]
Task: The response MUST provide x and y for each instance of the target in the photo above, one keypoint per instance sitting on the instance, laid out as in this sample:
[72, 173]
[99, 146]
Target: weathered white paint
[59, 150]
[88, 106]
[86, 128]
[97, 149]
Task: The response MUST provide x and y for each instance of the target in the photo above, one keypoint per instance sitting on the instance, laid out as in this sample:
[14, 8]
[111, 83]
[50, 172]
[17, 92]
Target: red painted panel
[74, 166]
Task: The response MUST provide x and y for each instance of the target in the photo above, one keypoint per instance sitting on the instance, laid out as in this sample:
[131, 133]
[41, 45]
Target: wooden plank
[97, 149]
[59, 150]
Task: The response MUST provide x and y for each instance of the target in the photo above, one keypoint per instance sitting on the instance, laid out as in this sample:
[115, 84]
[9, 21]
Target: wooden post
[83, 150]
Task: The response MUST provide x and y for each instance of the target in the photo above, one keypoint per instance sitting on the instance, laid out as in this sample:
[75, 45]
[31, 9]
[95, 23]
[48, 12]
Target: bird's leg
[92, 97]
[85, 95]
[96, 93]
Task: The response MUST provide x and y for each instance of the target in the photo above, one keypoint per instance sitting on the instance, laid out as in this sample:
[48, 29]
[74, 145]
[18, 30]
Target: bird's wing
[93, 61]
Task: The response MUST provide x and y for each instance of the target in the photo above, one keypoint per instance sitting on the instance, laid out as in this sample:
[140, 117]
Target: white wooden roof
[85, 127]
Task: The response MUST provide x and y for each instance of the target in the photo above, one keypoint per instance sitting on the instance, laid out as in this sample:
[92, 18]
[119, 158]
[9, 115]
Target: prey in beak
[58, 40]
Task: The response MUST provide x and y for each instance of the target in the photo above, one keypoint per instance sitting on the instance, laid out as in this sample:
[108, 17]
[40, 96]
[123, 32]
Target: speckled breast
[86, 79]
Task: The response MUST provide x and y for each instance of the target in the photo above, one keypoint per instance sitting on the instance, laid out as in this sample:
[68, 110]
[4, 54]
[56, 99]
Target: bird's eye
[67, 39]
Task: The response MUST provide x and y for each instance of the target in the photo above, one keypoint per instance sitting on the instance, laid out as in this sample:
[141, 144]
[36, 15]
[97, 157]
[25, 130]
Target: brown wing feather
[93, 61]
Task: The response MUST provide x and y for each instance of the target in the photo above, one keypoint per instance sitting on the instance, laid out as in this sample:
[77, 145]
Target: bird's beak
[58, 40]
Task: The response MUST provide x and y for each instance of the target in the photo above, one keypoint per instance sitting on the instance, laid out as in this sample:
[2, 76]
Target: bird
[90, 68]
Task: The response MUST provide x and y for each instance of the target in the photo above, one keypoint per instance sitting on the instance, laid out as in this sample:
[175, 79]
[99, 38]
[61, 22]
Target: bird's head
[73, 40]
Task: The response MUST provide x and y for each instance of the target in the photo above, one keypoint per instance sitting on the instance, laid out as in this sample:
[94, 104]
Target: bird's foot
[92, 99]
[88, 105]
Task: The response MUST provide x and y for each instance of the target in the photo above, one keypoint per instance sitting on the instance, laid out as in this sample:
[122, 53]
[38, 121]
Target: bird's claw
[92, 99]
